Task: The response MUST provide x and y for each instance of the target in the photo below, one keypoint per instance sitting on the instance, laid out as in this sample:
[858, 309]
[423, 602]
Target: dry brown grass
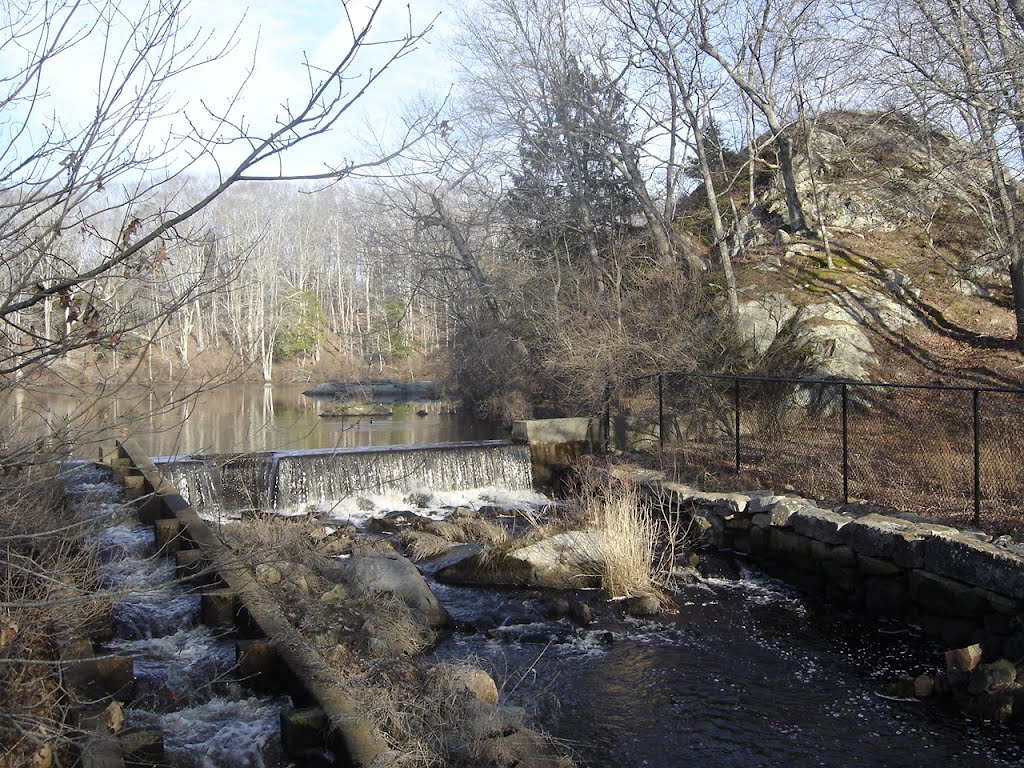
[638, 547]
[430, 718]
[909, 450]
[472, 529]
[420, 545]
[270, 537]
[47, 585]
[392, 630]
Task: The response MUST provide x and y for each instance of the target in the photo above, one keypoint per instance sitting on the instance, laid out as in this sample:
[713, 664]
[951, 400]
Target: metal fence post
[607, 418]
[736, 409]
[977, 458]
[661, 410]
[846, 446]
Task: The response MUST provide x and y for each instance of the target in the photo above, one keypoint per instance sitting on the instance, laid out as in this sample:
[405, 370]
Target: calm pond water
[228, 419]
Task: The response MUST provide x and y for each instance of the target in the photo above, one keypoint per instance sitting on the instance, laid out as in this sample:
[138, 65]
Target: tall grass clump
[627, 536]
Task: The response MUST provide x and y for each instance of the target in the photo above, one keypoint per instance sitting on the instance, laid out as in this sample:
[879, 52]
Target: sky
[273, 37]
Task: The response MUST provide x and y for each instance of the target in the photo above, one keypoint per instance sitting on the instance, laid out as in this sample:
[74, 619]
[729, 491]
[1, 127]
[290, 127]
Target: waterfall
[222, 486]
[288, 480]
[324, 478]
[198, 482]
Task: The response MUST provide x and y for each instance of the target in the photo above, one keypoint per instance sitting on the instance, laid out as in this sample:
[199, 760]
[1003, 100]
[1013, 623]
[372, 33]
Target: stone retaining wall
[957, 585]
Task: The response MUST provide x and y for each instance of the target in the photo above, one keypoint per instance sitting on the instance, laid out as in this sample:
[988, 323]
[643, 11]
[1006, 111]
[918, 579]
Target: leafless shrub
[47, 599]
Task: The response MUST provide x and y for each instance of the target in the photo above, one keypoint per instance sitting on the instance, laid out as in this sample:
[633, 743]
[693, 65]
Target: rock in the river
[902, 689]
[475, 680]
[963, 659]
[996, 707]
[582, 613]
[392, 575]
[573, 559]
[924, 686]
[1000, 675]
[642, 605]
[393, 522]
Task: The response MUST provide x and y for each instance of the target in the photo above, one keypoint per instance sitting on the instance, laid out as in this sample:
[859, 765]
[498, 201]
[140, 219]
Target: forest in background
[571, 214]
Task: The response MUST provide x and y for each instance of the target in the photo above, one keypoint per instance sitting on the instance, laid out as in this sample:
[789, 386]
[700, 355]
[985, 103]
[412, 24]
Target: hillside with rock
[903, 283]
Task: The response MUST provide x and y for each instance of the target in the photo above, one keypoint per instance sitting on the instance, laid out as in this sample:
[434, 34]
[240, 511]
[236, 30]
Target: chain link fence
[948, 453]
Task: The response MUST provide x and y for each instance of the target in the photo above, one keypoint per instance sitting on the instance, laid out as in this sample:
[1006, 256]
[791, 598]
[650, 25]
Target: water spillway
[291, 482]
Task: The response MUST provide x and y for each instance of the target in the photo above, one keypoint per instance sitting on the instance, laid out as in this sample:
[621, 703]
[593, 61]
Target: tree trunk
[794, 210]
[711, 195]
[1017, 284]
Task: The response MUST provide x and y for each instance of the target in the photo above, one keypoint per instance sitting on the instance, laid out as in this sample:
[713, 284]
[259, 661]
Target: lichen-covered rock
[889, 538]
[759, 321]
[268, 575]
[819, 524]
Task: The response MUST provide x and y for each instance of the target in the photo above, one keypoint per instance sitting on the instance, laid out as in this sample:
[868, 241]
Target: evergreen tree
[568, 200]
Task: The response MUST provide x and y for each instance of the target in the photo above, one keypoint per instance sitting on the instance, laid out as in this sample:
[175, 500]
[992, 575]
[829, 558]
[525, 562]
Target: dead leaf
[115, 716]
[8, 631]
[43, 757]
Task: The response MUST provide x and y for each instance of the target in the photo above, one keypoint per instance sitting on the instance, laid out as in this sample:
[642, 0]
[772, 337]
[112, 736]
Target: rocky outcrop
[568, 560]
[835, 344]
[883, 171]
[761, 320]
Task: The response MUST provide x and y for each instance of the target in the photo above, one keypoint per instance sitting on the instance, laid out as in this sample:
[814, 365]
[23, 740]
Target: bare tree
[752, 42]
[964, 63]
[110, 182]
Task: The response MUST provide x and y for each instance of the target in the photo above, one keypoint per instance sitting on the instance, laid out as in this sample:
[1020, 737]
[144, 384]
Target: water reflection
[234, 418]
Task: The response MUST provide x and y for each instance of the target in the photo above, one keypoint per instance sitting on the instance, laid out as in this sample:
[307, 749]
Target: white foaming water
[434, 504]
[324, 478]
[354, 482]
[175, 670]
[137, 573]
[156, 612]
[760, 589]
[121, 542]
[240, 733]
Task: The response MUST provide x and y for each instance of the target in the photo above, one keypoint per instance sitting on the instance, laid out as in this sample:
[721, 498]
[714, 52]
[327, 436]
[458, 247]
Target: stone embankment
[959, 586]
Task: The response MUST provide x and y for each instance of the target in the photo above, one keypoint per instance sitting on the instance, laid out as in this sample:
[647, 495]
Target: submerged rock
[924, 686]
[996, 707]
[642, 605]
